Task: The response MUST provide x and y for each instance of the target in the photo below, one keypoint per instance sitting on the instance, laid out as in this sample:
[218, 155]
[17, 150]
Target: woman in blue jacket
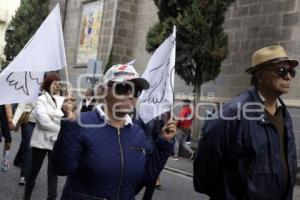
[105, 154]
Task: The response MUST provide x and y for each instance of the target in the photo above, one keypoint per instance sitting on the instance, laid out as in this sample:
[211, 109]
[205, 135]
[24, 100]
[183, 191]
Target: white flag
[45, 51]
[21, 80]
[160, 74]
[19, 87]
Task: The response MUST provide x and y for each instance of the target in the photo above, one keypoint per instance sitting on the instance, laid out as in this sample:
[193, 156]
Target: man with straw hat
[248, 152]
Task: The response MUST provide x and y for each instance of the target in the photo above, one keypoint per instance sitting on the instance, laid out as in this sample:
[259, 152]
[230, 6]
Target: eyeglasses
[125, 89]
[283, 72]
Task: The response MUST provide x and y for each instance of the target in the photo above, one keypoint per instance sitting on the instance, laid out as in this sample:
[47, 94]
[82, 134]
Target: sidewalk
[184, 167]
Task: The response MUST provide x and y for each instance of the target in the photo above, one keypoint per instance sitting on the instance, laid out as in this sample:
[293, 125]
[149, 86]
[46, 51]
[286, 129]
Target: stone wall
[124, 30]
[250, 25]
[146, 17]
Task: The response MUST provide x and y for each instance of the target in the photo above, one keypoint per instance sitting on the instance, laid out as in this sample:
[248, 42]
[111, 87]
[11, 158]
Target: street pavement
[9, 188]
[176, 181]
[185, 167]
[175, 187]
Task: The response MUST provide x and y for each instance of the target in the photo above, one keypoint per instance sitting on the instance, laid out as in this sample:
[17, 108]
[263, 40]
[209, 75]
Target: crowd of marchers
[236, 158]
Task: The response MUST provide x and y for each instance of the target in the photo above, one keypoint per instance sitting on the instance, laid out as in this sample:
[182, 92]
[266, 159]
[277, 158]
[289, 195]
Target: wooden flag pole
[67, 78]
[172, 81]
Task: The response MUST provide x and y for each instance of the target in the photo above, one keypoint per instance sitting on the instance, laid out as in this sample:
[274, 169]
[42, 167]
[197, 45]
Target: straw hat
[269, 55]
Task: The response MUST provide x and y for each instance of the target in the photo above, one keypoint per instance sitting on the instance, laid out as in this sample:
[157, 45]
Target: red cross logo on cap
[122, 67]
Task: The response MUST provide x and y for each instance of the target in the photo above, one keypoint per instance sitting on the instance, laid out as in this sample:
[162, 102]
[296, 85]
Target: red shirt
[185, 118]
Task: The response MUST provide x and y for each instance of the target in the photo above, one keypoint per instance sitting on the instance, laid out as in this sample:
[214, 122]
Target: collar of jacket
[257, 98]
[263, 99]
[128, 120]
[88, 102]
[49, 99]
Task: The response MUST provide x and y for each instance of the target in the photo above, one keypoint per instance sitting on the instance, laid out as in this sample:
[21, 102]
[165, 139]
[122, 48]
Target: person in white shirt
[48, 116]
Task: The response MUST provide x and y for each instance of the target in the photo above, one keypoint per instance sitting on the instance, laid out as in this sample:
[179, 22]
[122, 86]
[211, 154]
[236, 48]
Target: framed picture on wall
[89, 34]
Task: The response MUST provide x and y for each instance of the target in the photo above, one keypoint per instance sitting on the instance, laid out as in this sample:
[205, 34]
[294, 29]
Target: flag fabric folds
[21, 80]
[160, 74]
[45, 51]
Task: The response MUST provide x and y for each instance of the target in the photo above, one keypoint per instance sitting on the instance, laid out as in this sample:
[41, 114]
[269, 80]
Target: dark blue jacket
[240, 159]
[104, 163]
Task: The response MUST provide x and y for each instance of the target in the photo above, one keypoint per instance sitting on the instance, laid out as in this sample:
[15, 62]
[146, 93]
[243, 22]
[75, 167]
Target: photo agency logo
[247, 111]
[201, 111]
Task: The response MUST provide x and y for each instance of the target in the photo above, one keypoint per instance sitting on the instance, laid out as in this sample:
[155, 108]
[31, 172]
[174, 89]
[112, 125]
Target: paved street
[9, 188]
[175, 186]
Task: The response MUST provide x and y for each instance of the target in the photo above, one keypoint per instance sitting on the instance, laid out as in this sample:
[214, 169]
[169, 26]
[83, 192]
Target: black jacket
[240, 158]
[88, 108]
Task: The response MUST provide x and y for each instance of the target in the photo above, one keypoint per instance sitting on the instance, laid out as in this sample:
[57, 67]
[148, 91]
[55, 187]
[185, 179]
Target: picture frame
[89, 32]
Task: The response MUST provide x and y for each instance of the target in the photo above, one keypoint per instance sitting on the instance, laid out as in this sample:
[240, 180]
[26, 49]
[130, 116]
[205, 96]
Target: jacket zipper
[122, 164]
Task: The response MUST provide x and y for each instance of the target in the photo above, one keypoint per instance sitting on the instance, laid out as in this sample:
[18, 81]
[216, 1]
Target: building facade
[7, 10]
[121, 37]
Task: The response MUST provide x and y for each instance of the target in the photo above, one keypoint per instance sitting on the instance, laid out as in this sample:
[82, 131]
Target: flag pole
[173, 52]
[67, 78]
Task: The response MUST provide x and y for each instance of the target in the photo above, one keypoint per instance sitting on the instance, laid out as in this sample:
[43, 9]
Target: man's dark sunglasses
[126, 88]
[283, 72]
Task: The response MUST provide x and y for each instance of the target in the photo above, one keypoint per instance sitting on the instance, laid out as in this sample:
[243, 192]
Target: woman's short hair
[48, 80]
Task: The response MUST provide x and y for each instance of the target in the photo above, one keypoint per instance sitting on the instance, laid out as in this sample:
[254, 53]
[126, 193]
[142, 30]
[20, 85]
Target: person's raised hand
[169, 130]
[69, 108]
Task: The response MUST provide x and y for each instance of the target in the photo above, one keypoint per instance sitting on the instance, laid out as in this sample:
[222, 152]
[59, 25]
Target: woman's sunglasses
[125, 89]
[283, 72]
